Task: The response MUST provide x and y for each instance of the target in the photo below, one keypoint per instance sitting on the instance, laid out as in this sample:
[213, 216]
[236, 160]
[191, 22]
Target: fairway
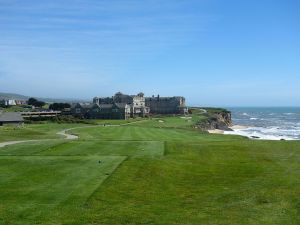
[144, 173]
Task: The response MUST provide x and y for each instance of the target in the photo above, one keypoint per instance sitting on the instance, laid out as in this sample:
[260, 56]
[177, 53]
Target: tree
[32, 101]
[39, 104]
[36, 103]
[59, 106]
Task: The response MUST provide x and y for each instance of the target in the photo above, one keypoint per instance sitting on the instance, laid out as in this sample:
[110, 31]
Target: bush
[36, 103]
[59, 106]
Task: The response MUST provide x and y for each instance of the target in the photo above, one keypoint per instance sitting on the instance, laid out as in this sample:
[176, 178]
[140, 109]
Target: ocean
[274, 123]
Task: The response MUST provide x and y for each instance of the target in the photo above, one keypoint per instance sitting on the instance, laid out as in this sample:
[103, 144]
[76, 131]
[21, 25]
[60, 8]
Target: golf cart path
[63, 133]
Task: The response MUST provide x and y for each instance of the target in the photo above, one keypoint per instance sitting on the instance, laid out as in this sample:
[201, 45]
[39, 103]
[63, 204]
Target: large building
[101, 111]
[136, 103]
[122, 106]
[166, 105]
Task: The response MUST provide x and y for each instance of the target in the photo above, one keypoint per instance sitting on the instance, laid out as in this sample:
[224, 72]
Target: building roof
[82, 105]
[164, 98]
[11, 117]
[121, 105]
[86, 105]
[105, 106]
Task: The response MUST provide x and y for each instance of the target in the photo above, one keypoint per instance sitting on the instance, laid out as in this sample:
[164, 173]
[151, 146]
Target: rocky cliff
[214, 118]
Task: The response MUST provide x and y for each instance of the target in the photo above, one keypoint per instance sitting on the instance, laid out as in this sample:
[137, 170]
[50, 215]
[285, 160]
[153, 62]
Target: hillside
[12, 96]
[23, 97]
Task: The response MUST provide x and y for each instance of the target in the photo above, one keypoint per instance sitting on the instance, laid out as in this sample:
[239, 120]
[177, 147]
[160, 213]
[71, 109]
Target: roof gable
[121, 105]
[105, 106]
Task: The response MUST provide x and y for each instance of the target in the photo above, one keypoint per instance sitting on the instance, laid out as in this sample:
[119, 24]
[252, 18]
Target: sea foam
[267, 123]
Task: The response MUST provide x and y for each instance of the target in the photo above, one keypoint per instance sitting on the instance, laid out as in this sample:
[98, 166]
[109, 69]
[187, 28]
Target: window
[78, 110]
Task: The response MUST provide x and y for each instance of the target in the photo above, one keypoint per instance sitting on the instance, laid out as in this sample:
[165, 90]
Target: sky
[212, 52]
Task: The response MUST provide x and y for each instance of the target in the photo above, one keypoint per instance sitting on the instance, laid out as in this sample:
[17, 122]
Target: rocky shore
[214, 120]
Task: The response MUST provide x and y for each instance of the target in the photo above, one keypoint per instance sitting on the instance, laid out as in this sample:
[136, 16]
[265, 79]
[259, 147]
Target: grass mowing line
[105, 179]
[93, 147]
[30, 148]
[63, 181]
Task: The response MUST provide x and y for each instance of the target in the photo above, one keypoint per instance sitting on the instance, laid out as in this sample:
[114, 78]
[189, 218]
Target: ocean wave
[245, 114]
[267, 133]
[253, 118]
[289, 114]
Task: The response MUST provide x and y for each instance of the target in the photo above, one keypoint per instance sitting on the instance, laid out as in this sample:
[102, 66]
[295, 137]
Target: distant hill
[23, 97]
[12, 96]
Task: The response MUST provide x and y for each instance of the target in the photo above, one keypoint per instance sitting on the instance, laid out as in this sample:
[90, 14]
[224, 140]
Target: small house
[13, 118]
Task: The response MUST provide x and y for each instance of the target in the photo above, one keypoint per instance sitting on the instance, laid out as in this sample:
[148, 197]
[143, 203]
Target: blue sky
[213, 52]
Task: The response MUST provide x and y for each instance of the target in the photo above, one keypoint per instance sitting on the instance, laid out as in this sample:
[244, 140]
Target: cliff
[213, 118]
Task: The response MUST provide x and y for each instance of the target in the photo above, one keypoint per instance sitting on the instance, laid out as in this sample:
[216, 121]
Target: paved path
[63, 133]
[3, 144]
[68, 136]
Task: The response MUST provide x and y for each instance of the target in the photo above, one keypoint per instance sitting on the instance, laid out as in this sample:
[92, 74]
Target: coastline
[233, 128]
[253, 133]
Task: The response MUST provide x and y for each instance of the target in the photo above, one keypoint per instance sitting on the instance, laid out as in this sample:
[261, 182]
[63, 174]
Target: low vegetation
[152, 171]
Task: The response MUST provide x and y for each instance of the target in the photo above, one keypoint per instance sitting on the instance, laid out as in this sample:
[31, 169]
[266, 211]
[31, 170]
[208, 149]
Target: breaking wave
[267, 123]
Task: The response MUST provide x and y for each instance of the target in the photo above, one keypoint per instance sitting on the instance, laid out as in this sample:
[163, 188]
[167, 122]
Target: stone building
[101, 111]
[122, 106]
[166, 105]
[136, 103]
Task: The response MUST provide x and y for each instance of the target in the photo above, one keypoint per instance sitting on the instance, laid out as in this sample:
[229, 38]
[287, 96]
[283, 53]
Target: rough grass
[150, 175]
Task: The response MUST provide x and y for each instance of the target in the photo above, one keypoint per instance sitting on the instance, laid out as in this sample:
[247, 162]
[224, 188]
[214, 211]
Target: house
[8, 102]
[133, 103]
[13, 118]
[101, 111]
[11, 102]
[80, 109]
[121, 111]
[166, 105]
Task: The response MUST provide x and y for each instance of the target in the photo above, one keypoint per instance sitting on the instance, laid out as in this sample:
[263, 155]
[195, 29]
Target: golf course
[148, 171]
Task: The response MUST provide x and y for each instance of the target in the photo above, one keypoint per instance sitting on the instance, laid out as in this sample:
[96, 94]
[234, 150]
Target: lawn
[149, 174]
[33, 131]
[32, 186]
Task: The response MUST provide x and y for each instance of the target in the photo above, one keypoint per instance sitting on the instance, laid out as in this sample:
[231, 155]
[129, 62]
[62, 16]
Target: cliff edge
[213, 118]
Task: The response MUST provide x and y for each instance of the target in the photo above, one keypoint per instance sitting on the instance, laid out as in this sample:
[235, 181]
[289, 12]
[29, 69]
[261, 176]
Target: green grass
[150, 173]
[33, 131]
[41, 184]
[17, 108]
[85, 148]
[116, 122]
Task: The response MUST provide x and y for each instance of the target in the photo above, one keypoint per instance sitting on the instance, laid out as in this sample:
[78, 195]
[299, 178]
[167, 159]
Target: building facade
[12, 102]
[101, 111]
[122, 106]
[135, 103]
[166, 105]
